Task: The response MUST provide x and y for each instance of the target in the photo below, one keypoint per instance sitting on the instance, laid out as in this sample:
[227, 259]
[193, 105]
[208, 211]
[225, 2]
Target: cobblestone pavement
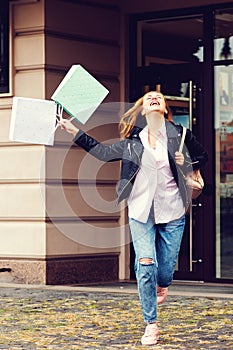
[56, 319]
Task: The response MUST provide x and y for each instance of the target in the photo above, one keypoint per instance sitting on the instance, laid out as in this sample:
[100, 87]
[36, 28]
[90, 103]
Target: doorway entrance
[187, 54]
[182, 86]
[169, 58]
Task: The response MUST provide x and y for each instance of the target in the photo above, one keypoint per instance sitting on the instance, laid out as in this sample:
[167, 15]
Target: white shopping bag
[33, 121]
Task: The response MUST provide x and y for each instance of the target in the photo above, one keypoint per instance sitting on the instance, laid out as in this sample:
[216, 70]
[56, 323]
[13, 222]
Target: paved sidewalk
[109, 317]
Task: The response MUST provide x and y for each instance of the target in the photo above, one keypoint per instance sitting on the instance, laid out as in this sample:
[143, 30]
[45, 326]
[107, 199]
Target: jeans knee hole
[146, 261]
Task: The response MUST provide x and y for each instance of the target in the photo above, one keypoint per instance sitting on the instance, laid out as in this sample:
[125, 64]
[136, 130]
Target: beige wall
[87, 35]
[47, 38]
[44, 212]
[22, 211]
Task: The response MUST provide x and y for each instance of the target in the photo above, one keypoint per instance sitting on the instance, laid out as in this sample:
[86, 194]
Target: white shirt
[154, 183]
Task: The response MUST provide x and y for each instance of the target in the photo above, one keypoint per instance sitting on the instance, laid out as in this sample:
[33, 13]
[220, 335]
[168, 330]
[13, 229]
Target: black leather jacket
[130, 151]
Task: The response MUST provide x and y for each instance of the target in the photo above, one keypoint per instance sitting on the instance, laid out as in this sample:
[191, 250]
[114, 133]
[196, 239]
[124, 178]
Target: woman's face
[154, 101]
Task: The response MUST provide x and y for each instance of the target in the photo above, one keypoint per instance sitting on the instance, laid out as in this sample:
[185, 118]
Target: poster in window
[223, 88]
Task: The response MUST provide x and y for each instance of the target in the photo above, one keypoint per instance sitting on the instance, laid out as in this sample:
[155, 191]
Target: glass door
[186, 110]
[224, 170]
[169, 58]
[223, 112]
[173, 51]
[181, 84]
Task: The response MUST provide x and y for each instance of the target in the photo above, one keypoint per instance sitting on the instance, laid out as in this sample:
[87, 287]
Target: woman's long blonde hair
[129, 118]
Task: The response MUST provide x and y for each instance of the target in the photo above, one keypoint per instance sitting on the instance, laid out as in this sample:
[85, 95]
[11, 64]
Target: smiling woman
[154, 101]
[155, 194]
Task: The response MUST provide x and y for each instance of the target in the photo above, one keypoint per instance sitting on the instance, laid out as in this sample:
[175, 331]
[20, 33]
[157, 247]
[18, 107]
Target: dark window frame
[134, 73]
[4, 48]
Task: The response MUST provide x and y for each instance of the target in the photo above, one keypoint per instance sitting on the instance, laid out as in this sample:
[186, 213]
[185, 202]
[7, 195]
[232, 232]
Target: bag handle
[182, 139]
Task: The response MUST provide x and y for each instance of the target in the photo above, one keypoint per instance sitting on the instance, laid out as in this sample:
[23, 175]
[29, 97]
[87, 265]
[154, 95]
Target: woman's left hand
[179, 158]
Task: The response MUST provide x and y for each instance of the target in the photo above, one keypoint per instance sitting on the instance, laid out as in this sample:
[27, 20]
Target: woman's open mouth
[154, 103]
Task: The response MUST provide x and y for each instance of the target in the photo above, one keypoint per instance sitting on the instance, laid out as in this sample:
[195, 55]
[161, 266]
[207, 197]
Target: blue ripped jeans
[161, 244]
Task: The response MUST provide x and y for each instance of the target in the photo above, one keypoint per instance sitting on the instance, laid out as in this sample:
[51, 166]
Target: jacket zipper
[128, 182]
[135, 171]
[129, 149]
[136, 153]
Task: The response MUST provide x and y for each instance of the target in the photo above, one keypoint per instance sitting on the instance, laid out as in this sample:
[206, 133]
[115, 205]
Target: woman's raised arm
[68, 126]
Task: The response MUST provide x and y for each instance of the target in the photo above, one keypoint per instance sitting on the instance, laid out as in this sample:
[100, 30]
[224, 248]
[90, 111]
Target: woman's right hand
[194, 179]
[68, 126]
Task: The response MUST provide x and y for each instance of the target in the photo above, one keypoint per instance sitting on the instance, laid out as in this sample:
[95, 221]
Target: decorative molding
[23, 2]
[63, 70]
[83, 183]
[63, 182]
[19, 69]
[20, 258]
[60, 219]
[82, 38]
[82, 256]
[22, 219]
[29, 31]
[113, 76]
[58, 144]
[100, 5]
[81, 219]
[5, 106]
[21, 182]
[67, 36]
[20, 144]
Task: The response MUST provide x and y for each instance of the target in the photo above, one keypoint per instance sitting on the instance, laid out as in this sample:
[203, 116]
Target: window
[224, 170]
[4, 47]
[223, 73]
[223, 38]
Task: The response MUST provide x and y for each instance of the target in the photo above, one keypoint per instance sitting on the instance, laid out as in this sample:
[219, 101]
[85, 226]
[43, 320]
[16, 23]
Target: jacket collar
[135, 132]
[171, 129]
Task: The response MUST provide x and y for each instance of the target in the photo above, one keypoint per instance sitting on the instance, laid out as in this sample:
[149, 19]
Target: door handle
[196, 205]
[197, 261]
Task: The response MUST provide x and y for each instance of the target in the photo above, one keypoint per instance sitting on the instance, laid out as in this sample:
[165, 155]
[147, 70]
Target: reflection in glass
[225, 53]
[223, 36]
[164, 41]
[224, 170]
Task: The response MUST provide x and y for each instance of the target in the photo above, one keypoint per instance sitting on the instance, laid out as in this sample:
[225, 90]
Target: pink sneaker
[151, 334]
[161, 295]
